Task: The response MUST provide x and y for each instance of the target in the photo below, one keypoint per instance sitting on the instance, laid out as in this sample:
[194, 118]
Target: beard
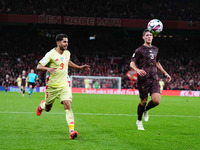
[62, 48]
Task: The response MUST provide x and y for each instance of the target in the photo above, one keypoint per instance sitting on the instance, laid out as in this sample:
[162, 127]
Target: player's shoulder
[67, 52]
[51, 52]
[140, 48]
[154, 47]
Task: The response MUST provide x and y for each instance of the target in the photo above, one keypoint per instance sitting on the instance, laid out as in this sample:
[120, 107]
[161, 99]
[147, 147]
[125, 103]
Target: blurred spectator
[180, 59]
[164, 10]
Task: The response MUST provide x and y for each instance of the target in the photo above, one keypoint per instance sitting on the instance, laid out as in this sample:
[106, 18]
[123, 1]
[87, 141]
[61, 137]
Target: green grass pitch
[104, 122]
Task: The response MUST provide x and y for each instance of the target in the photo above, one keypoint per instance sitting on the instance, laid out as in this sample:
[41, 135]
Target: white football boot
[139, 125]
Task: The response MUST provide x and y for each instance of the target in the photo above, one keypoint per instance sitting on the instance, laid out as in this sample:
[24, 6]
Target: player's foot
[39, 109]
[29, 94]
[146, 116]
[73, 134]
[139, 125]
[23, 95]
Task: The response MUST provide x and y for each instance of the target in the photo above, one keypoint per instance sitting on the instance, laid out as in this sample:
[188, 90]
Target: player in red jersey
[145, 62]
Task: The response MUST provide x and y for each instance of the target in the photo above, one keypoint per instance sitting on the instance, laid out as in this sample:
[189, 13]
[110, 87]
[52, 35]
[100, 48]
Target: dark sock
[150, 105]
[140, 111]
[23, 91]
[6, 90]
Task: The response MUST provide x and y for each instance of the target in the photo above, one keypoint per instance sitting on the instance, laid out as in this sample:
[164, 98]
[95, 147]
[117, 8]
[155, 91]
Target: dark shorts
[31, 83]
[23, 83]
[6, 84]
[148, 86]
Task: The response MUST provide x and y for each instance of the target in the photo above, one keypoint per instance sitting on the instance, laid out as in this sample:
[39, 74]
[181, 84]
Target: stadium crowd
[180, 59]
[165, 9]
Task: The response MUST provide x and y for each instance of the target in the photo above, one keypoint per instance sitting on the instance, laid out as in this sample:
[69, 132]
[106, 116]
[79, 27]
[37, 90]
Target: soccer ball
[155, 26]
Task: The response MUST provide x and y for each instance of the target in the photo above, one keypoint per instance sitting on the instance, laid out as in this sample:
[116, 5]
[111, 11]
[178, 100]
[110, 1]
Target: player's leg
[66, 99]
[50, 96]
[140, 111]
[70, 118]
[6, 88]
[155, 101]
[19, 86]
[141, 107]
[155, 98]
[30, 89]
[155, 95]
[22, 90]
[143, 90]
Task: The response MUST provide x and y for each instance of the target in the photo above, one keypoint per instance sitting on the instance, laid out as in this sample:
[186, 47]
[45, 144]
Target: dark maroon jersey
[145, 58]
[23, 80]
[6, 82]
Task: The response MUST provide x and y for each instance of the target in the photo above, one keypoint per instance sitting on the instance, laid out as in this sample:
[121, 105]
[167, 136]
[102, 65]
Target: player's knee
[143, 103]
[47, 109]
[67, 104]
[156, 102]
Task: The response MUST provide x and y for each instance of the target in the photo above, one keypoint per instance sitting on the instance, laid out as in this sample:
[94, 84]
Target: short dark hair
[146, 30]
[59, 37]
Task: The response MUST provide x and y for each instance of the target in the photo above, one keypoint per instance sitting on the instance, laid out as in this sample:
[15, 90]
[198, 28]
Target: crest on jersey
[62, 59]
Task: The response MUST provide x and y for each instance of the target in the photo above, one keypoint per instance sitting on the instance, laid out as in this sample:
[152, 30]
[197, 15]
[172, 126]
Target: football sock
[70, 119]
[42, 105]
[140, 111]
[30, 90]
[150, 105]
[23, 91]
[6, 90]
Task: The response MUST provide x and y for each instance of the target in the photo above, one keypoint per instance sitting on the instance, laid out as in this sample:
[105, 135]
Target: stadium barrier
[113, 91]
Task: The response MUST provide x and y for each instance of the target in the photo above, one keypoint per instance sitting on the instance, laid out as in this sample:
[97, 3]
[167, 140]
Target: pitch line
[99, 114]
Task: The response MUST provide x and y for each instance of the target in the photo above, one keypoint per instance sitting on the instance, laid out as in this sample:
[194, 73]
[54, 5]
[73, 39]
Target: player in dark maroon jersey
[145, 62]
[23, 85]
[6, 83]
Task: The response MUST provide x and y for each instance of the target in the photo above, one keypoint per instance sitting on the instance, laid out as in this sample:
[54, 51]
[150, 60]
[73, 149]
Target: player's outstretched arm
[43, 68]
[73, 65]
[159, 66]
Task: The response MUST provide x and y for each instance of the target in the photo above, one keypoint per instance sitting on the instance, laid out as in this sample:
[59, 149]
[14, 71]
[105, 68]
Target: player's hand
[168, 77]
[141, 72]
[85, 67]
[51, 70]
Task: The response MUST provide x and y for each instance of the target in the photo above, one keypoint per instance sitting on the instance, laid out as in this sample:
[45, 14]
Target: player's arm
[36, 77]
[159, 66]
[44, 61]
[135, 57]
[139, 71]
[43, 68]
[73, 65]
[27, 78]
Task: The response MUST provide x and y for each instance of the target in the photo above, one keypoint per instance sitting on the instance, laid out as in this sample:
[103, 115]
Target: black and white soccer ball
[155, 26]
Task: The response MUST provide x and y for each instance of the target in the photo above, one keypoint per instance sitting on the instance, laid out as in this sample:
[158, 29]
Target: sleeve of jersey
[46, 59]
[135, 56]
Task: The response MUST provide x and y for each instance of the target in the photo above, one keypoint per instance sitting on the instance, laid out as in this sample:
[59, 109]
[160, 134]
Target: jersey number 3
[62, 66]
